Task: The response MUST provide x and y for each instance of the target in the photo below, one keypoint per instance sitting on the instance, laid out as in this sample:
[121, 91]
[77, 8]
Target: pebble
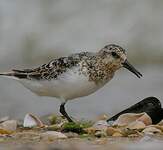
[72, 135]
[90, 130]
[110, 131]
[100, 134]
[52, 135]
[151, 130]
[5, 132]
[101, 125]
[117, 134]
[10, 125]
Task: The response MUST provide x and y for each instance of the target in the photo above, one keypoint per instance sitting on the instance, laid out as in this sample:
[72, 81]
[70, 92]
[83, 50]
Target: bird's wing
[52, 69]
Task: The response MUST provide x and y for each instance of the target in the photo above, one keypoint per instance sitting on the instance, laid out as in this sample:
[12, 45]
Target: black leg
[64, 113]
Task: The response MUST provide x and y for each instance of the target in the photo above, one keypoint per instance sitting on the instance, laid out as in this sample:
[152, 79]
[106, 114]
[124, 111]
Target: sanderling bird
[74, 76]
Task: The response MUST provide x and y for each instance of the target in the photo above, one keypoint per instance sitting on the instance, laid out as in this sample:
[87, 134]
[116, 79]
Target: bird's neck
[98, 70]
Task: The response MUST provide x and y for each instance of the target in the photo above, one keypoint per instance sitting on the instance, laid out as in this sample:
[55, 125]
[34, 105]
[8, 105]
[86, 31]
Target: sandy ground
[35, 143]
[30, 140]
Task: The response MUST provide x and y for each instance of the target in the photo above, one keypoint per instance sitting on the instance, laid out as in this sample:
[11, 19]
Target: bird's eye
[114, 54]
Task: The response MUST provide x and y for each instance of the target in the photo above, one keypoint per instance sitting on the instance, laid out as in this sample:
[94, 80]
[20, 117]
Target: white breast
[68, 86]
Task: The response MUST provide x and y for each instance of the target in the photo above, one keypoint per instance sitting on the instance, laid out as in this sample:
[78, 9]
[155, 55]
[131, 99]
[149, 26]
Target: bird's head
[115, 56]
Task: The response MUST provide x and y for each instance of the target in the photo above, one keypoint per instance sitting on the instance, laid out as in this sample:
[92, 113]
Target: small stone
[100, 134]
[26, 135]
[117, 134]
[52, 135]
[151, 130]
[134, 135]
[102, 141]
[10, 125]
[5, 132]
[110, 131]
[90, 130]
[126, 132]
[72, 135]
[100, 125]
[110, 123]
[54, 127]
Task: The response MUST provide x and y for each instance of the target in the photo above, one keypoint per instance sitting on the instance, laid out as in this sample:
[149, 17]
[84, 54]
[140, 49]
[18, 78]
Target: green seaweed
[76, 127]
[53, 128]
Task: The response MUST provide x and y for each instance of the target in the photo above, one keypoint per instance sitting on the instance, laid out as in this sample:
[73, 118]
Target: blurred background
[34, 32]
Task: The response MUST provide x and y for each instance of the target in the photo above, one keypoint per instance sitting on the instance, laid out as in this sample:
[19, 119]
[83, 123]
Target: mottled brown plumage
[77, 75]
[91, 64]
[54, 68]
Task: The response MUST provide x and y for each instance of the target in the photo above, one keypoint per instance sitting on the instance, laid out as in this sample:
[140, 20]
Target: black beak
[128, 66]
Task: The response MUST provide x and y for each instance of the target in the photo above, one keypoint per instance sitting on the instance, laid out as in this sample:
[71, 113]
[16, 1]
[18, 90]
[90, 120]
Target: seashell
[146, 119]
[32, 121]
[125, 119]
[157, 127]
[151, 130]
[160, 123]
[136, 125]
[10, 125]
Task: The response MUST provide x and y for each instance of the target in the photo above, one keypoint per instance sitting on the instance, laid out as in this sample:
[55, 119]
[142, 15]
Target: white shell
[32, 121]
[126, 119]
[10, 125]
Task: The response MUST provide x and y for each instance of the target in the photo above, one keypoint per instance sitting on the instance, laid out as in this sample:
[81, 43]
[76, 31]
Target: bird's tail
[6, 73]
[13, 74]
